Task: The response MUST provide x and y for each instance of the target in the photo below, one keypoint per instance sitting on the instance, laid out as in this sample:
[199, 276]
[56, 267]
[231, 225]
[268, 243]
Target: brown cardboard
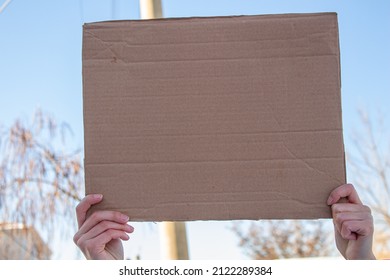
[214, 118]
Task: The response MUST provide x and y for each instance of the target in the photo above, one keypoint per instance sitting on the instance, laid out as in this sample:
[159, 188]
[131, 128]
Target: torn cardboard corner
[214, 118]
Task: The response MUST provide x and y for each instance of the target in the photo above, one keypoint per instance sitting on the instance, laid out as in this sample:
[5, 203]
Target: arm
[353, 223]
[99, 236]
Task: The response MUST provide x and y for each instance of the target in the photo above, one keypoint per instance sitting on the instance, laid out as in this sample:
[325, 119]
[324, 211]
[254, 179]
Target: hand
[353, 223]
[99, 236]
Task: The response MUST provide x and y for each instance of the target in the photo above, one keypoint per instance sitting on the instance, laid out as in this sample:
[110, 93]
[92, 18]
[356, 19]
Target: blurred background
[41, 131]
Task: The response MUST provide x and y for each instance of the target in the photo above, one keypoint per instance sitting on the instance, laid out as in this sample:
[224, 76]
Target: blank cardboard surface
[214, 118]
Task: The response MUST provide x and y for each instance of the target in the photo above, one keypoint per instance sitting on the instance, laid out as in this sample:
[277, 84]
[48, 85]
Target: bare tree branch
[371, 169]
[40, 183]
[281, 239]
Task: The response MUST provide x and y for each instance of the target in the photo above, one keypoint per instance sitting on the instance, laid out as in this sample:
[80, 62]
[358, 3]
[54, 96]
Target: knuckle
[345, 232]
[348, 227]
[111, 232]
[344, 235]
[86, 245]
[371, 228]
[106, 224]
[76, 238]
[335, 209]
[116, 215]
[94, 216]
[114, 233]
[349, 187]
[338, 217]
[79, 208]
[367, 209]
[81, 243]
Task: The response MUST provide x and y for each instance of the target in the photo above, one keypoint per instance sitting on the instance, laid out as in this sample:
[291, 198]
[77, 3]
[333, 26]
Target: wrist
[368, 256]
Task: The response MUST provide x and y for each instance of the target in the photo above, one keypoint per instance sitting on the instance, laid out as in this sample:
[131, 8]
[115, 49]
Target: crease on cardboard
[270, 57]
[227, 133]
[224, 42]
[279, 194]
[107, 46]
[308, 165]
[218, 161]
[294, 155]
[225, 203]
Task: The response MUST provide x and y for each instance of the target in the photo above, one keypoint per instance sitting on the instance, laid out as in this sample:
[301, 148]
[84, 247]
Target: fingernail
[124, 218]
[98, 196]
[330, 201]
[129, 228]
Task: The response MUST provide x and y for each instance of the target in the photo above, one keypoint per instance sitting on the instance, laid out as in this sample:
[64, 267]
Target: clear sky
[40, 66]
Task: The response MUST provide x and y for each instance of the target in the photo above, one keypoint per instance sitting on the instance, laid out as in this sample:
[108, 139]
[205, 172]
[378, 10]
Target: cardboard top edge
[211, 18]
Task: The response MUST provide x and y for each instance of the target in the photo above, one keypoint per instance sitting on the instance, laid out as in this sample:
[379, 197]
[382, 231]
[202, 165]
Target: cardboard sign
[214, 118]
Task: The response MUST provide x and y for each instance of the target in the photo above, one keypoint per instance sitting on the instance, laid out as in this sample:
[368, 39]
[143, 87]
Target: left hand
[99, 235]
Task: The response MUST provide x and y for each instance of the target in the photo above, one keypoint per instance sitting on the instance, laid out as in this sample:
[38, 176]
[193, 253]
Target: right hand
[99, 236]
[353, 223]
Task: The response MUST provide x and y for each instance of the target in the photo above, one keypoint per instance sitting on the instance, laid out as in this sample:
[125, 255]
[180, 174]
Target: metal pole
[173, 235]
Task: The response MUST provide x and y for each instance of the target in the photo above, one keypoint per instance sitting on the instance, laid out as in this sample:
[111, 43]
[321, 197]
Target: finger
[342, 212]
[349, 207]
[84, 205]
[102, 227]
[111, 234]
[100, 216]
[352, 229]
[99, 242]
[344, 191]
[347, 233]
[342, 217]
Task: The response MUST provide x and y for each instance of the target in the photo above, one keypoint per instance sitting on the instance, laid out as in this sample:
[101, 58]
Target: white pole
[173, 235]
[150, 9]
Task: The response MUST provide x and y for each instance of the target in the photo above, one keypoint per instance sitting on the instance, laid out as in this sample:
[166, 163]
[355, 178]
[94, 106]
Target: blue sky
[40, 66]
